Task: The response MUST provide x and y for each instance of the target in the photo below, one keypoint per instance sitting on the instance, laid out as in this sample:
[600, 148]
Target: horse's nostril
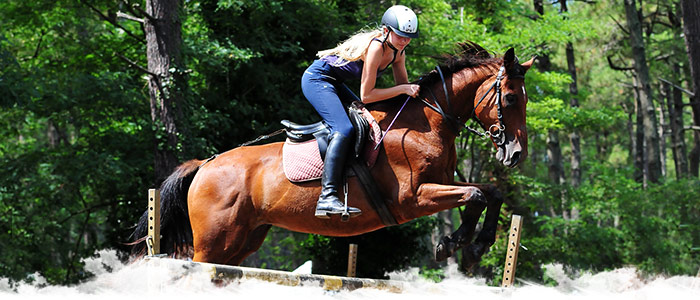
[515, 159]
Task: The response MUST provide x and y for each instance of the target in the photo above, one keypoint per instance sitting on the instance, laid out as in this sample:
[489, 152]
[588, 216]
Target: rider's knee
[346, 131]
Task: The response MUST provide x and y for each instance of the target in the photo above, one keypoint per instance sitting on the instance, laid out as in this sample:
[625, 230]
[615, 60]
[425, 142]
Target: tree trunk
[651, 134]
[632, 146]
[554, 158]
[691, 30]
[662, 136]
[556, 172]
[640, 173]
[675, 120]
[574, 137]
[554, 162]
[55, 134]
[163, 40]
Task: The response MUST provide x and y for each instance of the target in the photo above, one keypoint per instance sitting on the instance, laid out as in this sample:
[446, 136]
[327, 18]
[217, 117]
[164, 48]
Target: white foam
[114, 280]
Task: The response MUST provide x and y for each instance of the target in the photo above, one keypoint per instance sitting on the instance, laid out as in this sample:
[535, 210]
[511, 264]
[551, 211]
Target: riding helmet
[401, 20]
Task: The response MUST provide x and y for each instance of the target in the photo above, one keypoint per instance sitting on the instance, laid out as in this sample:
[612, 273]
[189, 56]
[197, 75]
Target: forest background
[90, 119]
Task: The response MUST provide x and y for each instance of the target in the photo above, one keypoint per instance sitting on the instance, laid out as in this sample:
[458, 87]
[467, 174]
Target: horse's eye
[511, 99]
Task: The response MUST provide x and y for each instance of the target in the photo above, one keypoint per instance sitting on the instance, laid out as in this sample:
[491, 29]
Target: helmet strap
[391, 46]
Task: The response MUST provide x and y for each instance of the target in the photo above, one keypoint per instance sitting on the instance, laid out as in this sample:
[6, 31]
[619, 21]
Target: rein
[457, 125]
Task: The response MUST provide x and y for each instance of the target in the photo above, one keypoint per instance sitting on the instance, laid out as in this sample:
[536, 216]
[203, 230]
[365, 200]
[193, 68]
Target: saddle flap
[304, 157]
[361, 127]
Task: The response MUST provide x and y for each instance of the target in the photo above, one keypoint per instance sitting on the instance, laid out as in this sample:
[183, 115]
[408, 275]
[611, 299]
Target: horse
[220, 210]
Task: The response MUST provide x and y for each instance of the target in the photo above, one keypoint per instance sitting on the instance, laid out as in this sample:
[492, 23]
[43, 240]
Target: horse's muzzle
[510, 154]
[515, 159]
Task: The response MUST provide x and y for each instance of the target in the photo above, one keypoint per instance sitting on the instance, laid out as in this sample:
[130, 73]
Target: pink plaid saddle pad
[302, 161]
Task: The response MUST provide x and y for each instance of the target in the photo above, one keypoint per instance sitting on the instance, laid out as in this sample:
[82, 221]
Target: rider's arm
[399, 69]
[368, 92]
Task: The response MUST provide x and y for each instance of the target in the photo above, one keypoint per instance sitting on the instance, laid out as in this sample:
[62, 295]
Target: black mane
[471, 55]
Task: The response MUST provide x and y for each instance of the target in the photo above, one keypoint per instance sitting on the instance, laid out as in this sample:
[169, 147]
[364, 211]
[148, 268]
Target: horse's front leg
[437, 197]
[487, 235]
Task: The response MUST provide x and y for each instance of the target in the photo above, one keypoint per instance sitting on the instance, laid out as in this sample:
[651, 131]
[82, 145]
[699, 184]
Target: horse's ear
[509, 59]
[529, 63]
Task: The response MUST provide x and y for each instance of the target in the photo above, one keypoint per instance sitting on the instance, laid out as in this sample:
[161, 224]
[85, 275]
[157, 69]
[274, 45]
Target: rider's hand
[412, 90]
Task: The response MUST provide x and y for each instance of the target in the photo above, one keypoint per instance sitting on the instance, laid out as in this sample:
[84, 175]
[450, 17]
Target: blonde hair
[355, 47]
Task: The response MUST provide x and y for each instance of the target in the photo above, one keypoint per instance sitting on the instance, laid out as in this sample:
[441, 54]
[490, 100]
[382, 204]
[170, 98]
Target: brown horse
[224, 206]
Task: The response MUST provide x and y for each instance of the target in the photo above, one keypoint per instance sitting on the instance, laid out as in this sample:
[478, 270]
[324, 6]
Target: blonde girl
[365, 56]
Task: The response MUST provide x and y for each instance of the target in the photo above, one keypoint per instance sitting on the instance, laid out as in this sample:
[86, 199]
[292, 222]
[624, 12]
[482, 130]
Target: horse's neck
[463, 87]
[465, 96]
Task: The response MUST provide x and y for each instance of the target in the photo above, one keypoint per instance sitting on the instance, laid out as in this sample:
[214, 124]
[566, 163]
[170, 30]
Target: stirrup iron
[345, 216]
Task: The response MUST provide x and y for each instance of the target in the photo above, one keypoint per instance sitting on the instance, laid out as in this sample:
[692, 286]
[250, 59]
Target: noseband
[497, 136]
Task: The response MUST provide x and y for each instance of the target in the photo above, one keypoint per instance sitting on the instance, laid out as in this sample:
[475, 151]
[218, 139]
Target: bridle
[456, 124]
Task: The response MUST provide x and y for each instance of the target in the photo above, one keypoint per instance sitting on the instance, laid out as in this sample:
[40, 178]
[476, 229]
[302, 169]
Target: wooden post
[512, 252]
[352, 260]
[153, 238]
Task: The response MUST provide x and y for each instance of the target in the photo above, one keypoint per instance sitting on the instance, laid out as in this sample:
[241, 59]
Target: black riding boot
[333, 165]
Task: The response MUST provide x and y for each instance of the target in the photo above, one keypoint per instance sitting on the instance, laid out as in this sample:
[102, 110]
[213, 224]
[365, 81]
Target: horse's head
[502, 110]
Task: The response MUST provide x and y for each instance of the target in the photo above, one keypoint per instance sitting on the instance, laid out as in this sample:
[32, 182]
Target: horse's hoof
[345, 217]
[472, 254]
[444, 249]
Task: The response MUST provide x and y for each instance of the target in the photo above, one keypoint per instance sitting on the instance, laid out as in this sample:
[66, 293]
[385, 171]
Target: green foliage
[435, 275]
[77, 140]
[73, 143]
[282, 250]
[619, 224]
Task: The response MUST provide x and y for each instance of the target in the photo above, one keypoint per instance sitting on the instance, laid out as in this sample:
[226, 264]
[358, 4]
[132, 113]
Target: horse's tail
[175, 228]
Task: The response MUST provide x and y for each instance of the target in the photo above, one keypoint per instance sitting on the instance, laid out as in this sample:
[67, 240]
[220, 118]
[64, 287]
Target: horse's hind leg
[215, 245]
[228, 246]
[252, 243]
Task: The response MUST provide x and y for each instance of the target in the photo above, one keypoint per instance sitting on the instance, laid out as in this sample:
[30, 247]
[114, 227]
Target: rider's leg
[332, 178]
[322, 93]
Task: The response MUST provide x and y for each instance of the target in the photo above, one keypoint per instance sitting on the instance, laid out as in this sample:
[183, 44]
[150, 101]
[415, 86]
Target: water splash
[114, 280]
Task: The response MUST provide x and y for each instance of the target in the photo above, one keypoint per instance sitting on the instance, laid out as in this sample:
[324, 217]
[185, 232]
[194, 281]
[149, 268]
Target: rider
[365, 56]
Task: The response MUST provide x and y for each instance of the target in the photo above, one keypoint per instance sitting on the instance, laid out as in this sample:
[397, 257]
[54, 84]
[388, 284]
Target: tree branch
[128, 17]
[142, 69]
[692, 128]
[628, 85]
[129, 7]
[114, 22]
[614, 67]
[687, 92]
[134, 64]
[38, 45]
[663, 23]
[88, 210]
[663, 56]
[137, 8]
[620, 25]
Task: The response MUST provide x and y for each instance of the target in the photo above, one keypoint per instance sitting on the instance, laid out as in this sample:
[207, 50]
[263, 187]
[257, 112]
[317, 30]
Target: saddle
[303, 152]
[306, 145]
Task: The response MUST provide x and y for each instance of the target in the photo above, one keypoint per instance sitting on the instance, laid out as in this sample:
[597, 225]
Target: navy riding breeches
[327, 95]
